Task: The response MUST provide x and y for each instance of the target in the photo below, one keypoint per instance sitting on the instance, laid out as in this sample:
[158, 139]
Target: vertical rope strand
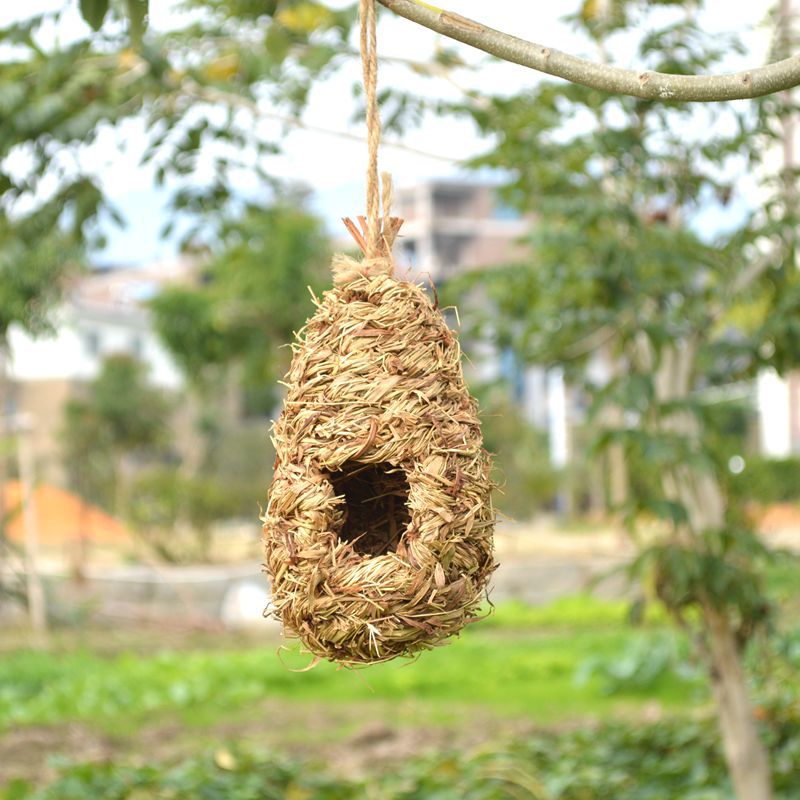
[388, 230]
[369, 64]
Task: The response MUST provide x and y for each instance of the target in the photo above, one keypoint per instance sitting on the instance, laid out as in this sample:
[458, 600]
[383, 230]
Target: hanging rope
[369, 66]
[374, 234]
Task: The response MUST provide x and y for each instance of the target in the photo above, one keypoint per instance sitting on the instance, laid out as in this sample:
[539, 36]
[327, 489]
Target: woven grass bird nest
[378, 529]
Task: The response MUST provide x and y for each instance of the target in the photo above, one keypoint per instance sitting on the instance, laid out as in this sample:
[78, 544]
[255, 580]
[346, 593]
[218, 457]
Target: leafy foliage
[196, 92]
[674, 758]
[254, 294]
[235, 777]
[767, 480]
[33, 268]
[640, 309]
[64, 94]
[641, 666]
[121, 416]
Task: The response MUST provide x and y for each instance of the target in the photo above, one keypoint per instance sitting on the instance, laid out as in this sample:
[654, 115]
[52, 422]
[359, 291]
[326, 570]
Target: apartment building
[455, 225]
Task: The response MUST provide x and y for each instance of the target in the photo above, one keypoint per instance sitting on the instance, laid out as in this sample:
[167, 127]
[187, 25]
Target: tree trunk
[37, 602]
[120, 486]
[745, 753]
[612, 417]
[699, 492]
[617, 465]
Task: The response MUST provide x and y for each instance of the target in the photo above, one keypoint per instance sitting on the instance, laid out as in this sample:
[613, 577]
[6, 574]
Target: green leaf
[317, 56]
[305, 17]
[278, 43]
[94, 12]
[137, 15]
[18, 789]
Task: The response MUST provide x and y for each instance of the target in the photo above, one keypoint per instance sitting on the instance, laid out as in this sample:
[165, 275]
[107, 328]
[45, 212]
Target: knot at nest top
[347, 269]
[376, 245]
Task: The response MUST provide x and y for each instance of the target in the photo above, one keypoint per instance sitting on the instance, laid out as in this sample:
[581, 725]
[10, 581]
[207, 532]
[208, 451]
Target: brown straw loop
[376, 234]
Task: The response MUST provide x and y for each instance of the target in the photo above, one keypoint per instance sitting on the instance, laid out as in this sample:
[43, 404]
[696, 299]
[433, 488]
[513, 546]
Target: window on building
[91, 343]
[136, 346]
[504, 211]
[450, 251]
[10, 405]
[451, 203]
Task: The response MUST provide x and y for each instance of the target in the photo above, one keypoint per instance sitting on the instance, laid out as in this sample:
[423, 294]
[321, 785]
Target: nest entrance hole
[376, 499]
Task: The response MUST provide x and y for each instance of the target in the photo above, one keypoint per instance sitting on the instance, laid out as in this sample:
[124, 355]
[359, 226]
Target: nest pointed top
[378, 530]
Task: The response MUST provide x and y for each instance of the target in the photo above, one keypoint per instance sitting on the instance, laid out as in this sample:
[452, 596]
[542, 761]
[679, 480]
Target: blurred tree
[253, 294]
[200, 91]
[526, 480]
[36, 258]
[203, 87]
[121, 418]
[626, 275]
[174, 513]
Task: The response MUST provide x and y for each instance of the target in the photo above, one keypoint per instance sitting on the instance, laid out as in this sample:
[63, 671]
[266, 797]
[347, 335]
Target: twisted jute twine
[378, 529]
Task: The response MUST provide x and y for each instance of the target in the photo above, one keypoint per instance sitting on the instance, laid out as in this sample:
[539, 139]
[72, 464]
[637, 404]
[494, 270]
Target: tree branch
[775, 77]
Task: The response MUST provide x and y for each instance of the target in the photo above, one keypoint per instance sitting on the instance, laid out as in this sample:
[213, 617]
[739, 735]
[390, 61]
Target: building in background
[777, 398]
[451, 227]
[103, 314]
[778, 407]
[455, 225]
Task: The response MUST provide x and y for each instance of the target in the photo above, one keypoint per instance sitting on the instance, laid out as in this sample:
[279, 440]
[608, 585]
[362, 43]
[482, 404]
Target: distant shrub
[164, 500]
[768, 480]
[642, 666]
[527, 481]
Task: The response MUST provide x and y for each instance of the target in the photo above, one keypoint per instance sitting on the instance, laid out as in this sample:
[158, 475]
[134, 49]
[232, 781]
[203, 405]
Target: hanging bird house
[378, 529]
[379, 525]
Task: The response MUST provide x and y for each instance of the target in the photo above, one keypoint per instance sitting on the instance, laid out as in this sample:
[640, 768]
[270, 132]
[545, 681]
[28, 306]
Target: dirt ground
[335, 735]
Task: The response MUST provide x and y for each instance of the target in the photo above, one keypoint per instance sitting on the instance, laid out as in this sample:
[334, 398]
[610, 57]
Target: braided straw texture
[378, 529]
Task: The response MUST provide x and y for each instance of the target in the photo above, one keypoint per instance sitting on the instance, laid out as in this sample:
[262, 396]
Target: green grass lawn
[546, 702]
[521, 662]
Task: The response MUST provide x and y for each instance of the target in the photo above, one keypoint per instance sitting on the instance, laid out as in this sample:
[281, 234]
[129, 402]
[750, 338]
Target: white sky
[335, 166]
